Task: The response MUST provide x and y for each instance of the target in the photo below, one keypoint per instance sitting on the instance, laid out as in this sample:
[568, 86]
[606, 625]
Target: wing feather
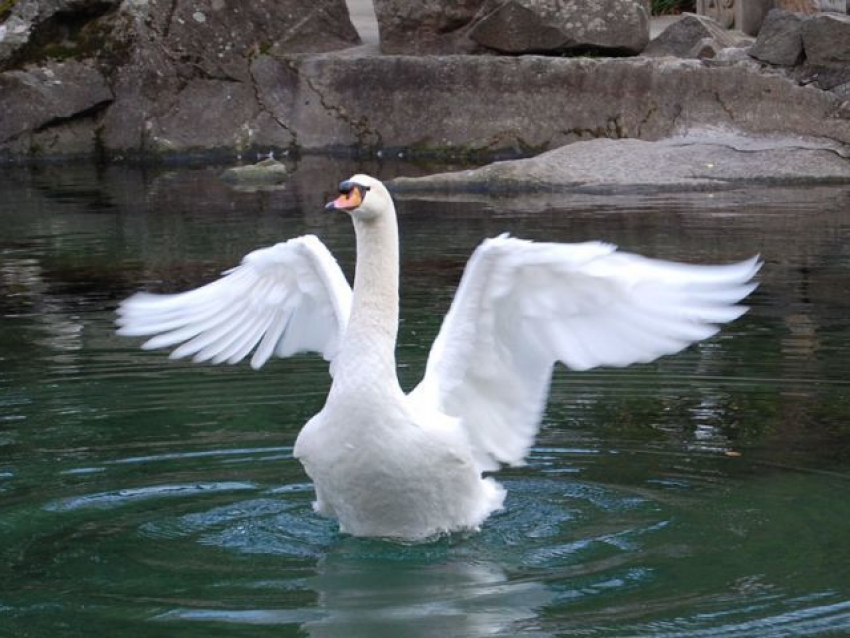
[521, 307]
[289, 298]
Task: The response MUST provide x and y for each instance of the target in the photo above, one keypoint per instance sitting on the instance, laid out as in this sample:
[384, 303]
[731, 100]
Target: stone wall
[150, 79]
[149, 76]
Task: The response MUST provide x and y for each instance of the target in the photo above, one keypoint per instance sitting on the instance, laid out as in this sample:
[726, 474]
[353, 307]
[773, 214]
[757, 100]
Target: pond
[706, 494]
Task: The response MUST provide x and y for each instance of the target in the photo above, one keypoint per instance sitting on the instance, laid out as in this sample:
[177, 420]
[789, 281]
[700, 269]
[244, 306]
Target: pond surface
[707, 494]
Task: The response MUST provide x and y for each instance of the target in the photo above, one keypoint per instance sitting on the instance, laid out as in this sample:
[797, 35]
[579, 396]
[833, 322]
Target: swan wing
[523, 306]
[288, 298]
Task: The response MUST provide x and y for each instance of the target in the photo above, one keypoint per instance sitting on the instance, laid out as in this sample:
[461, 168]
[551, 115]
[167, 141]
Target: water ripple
[119, 498]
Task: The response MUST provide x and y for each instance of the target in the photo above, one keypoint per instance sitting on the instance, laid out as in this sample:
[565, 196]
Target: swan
[412, 466]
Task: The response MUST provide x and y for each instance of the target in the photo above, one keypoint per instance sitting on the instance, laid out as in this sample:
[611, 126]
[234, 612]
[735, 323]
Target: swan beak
[350, 198]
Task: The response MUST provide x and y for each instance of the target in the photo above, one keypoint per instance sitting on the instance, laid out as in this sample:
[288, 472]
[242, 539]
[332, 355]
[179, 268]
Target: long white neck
[370, 339]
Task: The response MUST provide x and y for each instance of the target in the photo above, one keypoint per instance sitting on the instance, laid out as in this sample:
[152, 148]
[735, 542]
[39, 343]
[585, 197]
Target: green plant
[6, 7]
[672, 7]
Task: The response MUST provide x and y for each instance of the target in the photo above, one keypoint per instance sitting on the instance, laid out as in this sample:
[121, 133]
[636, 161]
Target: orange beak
[347, 201]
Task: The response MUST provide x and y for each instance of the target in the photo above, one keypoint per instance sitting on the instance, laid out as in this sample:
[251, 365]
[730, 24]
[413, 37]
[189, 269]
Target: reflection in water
[25, 291]
[703, 495]
[371, 596]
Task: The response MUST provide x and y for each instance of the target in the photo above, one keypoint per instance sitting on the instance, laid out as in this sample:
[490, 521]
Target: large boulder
[780, 40]
[826, 40]
[426, 26]
[216, 36]
[810, 7]
[527, 104]
[702, 160]
[34, 29]
[34, 99]
[693, 36]
[512, 26]
[555, 26]
[742, 15]
[178, 72]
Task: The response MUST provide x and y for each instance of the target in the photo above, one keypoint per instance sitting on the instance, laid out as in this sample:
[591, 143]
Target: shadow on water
[703, 495]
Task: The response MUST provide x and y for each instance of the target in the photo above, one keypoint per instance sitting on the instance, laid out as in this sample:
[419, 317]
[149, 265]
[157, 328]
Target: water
[707, 494]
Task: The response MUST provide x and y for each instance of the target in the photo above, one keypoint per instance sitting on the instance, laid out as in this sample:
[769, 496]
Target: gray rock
[705, 160]
[265, 172]
[36, 99]
[826, 39]
[780, 40]
[427, 26]
[556, 26]
[745, 16]
[219, 38]
[842, 91]
[733, 55]
[810, 7]
[692, 36]
[527, 104]
[205, 114]
[463, 105]
[184, 80]
[31, 20]
[511, 26]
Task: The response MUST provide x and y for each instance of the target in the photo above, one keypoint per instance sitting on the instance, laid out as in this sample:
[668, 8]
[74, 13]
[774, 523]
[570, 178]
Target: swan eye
[347, 186]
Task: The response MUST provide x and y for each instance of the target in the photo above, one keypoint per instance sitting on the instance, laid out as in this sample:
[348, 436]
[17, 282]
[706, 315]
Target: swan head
[364, 198]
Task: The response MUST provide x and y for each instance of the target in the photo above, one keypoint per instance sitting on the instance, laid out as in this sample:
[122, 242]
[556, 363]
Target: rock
[701, 161]
[826, 78]
[692, 36]
[780, 40]
[705, 49]
[426, 26]
[528, 104]
[205, 114]
[555, 26]
[36, 99]
[220, 38]
[745, 16]
[842, 91]
[180, 72]
[810, 7]
[464, 106]
[512, 26]
[826, 40]
[733, 55]
[57, 25]
[215, 36]
[267, 171]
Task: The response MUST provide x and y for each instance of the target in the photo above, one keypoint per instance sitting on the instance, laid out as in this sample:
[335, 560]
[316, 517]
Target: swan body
[410, 466]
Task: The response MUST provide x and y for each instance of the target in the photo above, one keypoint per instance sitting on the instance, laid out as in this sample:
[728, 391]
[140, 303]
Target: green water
[707, 494]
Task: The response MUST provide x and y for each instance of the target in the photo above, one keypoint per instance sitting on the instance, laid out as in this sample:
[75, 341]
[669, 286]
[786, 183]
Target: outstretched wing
[522, 306]
[289, 298]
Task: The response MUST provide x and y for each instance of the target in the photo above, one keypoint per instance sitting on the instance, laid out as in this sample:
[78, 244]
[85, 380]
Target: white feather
[250, 307]
[521, 307]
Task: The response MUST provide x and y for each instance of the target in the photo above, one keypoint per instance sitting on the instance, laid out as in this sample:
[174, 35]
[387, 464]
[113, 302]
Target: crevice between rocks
[87, 113]
[265, 109]
[724, 106]
[361, 129]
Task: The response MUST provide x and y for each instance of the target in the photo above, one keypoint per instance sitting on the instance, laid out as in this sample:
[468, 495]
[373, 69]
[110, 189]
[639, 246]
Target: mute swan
[409, 466]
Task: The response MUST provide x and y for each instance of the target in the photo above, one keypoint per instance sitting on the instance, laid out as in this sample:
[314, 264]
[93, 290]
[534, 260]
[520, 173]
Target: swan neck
[373, 323]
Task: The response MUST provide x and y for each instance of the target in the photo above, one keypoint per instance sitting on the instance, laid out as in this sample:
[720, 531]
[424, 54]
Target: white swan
[409, 466]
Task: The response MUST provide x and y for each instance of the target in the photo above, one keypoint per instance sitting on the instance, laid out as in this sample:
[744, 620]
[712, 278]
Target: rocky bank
[159, 79]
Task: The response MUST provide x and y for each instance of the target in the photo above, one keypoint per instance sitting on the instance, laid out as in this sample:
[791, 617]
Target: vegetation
[6, 7]
[672, 7]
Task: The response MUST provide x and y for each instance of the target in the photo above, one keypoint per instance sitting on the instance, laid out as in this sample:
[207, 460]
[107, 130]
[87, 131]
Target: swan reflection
[374, 596]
